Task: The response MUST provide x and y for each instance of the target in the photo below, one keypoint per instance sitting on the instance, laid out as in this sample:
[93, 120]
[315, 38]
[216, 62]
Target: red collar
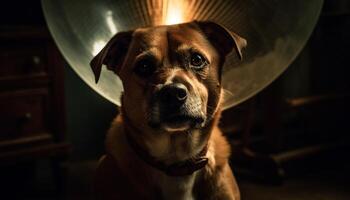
[182, 168]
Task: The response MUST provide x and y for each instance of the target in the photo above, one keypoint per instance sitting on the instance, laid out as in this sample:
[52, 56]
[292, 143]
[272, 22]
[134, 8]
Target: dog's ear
[222, 39]
[113, 54]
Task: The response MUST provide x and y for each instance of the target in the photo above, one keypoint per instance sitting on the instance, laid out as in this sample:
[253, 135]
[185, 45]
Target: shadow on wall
[89, 116]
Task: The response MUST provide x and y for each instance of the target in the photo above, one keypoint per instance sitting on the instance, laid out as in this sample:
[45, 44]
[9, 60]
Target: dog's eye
[144, 68]
[197, 61]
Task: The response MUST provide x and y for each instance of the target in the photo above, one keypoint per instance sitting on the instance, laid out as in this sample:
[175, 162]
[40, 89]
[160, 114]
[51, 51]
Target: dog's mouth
[182, 122]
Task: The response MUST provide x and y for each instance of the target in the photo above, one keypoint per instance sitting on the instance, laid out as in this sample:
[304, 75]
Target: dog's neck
[182, 168]
[175, 154]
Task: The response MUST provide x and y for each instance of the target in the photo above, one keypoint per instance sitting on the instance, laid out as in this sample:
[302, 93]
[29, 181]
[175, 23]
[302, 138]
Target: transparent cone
[276, 32]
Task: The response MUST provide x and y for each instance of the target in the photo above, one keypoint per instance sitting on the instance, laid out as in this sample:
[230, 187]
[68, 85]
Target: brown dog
[166, 143]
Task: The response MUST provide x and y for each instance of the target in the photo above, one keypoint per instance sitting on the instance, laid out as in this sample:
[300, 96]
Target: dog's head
[171, 74]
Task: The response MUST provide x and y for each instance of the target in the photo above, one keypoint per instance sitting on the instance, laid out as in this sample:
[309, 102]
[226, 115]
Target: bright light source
[174, 12]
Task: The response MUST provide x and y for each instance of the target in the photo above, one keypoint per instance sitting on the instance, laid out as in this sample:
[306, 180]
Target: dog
[165, 143]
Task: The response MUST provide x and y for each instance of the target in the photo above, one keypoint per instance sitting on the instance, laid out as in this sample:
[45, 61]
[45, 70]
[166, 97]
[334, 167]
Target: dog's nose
[173, 94]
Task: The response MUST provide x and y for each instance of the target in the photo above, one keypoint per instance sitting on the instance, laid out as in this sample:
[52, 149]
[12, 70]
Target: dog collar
[182, 168]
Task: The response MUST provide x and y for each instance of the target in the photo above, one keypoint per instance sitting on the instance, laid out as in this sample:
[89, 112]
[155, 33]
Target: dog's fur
[169, 53]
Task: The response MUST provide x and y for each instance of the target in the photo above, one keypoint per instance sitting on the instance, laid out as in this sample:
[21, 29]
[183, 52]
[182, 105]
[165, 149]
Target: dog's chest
[179, 188]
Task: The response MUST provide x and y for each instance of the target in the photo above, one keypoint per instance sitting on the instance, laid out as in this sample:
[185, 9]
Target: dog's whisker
[227, 93]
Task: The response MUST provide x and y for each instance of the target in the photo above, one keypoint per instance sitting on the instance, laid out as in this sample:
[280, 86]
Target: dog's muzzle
[175, 108]
[173, 95]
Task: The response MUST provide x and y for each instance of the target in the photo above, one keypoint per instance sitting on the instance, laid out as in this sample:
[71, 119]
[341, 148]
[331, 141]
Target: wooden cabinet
[32, 122]
[32, 108]
[32, 118]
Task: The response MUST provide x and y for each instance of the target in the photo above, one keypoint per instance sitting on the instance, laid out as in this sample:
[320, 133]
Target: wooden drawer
[22, 60]
[22, 113]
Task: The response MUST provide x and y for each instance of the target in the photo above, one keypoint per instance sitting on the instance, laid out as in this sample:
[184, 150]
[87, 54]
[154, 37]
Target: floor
[330, 183]
[317, 185]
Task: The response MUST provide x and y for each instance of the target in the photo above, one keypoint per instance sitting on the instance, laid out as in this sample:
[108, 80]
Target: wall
[88, 117]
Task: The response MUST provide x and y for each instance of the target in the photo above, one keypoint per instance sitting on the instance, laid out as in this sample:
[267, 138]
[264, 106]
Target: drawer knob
[25, 118]
[36, 60]
[28, 116]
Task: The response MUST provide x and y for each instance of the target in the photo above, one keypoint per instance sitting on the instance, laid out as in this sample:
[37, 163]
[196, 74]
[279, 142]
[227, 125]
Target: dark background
[303, 117]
